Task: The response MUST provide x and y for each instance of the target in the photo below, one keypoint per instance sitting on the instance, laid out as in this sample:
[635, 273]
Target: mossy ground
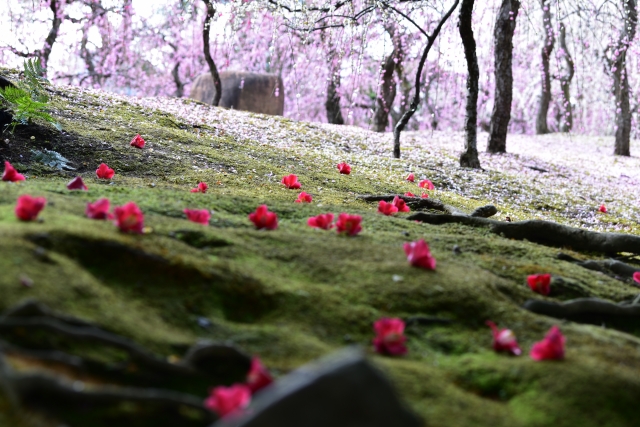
[296, 293]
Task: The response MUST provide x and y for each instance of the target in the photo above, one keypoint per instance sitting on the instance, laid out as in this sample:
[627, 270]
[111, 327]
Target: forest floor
[296, 293]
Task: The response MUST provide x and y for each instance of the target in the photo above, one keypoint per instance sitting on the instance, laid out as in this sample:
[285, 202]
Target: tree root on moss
[417, 203]
[611, 267]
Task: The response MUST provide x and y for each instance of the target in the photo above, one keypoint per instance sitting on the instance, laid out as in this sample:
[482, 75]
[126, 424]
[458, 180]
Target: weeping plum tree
[566, 121]
[545, 54]
[217, 84]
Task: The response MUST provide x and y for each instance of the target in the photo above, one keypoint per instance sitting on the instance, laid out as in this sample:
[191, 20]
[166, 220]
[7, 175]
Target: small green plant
[28, 100]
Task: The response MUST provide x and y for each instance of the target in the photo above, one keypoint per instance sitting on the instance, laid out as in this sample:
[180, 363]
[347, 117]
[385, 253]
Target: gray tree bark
[207, 52]
[503, 45]
[387, 94]
[566, 122]
[545, 53]
[332, 103]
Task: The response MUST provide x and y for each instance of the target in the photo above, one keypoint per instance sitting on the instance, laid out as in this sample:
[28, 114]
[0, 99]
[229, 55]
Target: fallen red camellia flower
[304, 198]
[104, 171]
[28, 208]
[390, 337]
[76, 184]
[11, 174]
[409, 194]
[540, 283]
[602, 208]
[99, 209]
[201, 216]
[411, 177]
[202, 187]
[258, 376]
[551, 347]
[291, 182]
[129, 218]
[262, 218]
[419, 255]
[344, 168]
[225, 400]
[425, 196]
[504, 339]
[137, 141]
[426, 184]
[323, 221]
[636, 277]
[400, 204]
[386, 208]
[348, 224]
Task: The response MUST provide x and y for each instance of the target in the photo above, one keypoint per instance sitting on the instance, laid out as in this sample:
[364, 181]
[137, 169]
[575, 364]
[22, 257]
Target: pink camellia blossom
[540, 283]
[636, 277]
[323, 221]
[409, 194]
[304, 198]
[225, 400]
[348, 224]
[426, 184]
[99, 209]
[258, 377]
[202, 187]
[104, 171]
[411, 177]
[419, 255]
[400, 204]
[425, 196]
[201, 216]
[602, 208]
[504, 340]
[390, 337]
[551, 347]
[11, 174]
[137, 141]
[28, 208]
[129, 218]
[344, 168]
[77, 184]
[386, 208]
[262, 218]
[291, 182]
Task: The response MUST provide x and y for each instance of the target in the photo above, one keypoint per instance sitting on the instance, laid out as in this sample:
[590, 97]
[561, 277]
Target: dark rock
[341, 390]
[5, 117]
[485, 211]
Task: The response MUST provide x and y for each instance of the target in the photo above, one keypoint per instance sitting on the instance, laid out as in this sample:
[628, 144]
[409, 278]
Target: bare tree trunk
[176, 79]
[387, 94]
[545, 53]
[469, 158]
[566, 123]
[45, 52]
[416, 98]
[503, 45]
[332, 104]
[621, 80]
[217, 84]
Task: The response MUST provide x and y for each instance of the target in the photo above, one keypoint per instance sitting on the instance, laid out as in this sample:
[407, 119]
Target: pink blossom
[636, 277]
[323, 221]
[99, 209]
[225, 400]
[304, 198]
[291, 182]
[28, 208]
[602, 208]
[426, 184]
[409, 194]
[540, 283]
[104, 171]
[419, 255]
[390, 337]
[348, 224]
[551, 347]
[504, 340]
[77, 184]
[258, 376]
[11, 174]
[400, 204]
[386, 208]
[202, 187]
[129, 218]
[425, 196]
[344, 168]
[137, 141]
[411, 177]
[262, 218]
[201, 216]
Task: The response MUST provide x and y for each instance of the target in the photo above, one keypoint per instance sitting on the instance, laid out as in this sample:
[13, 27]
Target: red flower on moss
[262, 218]
[201, 216]
[419, 255]
[426, 184]
[551, 347]
[258, 376]
[386, 208]
[225, 400]
[323, 221]
[411, 177]
[104, 171]
[390, 337]
[348, 224]
[129, 218]
[304, 198]
[137, 141]
[409, 194]
[99, 209]
[202, 187]
[344, 168]
[291, 182]
[425, 196]
[602, 208]
[636, 277]
[540, 283]
[11, 174]
[77, 184]
[400, 204]
[28, 208]
[504, 340]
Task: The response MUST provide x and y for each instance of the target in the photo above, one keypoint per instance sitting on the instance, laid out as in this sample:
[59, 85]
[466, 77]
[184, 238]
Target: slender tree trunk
[176, 79]
[45, 52]
[332, 104]
[545, 53]
[469, 158]
[566, 123]
[621, 80]
[503, 45]
[217, 84]
[386, 96]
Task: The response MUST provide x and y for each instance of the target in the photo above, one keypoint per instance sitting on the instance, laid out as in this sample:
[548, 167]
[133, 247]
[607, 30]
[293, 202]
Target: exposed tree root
[610, 267]
[417, 203]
